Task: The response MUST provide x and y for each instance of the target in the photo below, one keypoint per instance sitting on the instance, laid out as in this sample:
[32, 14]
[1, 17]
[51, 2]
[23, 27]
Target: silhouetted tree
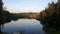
[50, 17]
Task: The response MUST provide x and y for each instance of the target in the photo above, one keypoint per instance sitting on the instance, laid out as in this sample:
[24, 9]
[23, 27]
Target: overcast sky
[17, 6]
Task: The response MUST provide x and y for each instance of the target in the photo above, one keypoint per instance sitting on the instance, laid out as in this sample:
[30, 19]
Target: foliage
[50, 17]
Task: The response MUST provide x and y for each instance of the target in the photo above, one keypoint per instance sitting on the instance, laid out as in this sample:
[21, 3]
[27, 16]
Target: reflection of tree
[1, 27]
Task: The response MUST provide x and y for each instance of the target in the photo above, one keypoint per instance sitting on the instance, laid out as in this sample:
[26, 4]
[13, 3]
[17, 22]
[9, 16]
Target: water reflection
[22, 26]
[1, 27]
[51, 27]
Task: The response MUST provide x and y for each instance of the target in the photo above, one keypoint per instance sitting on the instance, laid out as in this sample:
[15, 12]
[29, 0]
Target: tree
[1, 5]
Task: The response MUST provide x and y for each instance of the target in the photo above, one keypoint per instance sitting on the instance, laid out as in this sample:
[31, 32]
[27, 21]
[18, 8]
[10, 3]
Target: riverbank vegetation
[6, 16]
[50, 17]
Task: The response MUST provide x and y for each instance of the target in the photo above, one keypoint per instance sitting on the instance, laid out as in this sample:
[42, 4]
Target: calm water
[23, 26]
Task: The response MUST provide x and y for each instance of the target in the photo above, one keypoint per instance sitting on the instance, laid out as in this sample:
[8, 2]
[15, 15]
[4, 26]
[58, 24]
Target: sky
[19, 6]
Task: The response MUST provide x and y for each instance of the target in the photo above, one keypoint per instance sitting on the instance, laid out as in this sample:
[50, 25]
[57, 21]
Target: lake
[23, 26]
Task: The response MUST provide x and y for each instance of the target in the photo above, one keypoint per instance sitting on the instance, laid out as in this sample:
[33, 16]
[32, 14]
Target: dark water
[23, 26]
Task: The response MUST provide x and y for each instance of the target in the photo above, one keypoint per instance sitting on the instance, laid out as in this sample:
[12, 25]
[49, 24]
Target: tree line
[6, 16]
[50, 17]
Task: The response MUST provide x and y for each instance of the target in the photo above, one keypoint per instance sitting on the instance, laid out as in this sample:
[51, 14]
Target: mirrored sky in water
[26, 26]
[26, 5]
